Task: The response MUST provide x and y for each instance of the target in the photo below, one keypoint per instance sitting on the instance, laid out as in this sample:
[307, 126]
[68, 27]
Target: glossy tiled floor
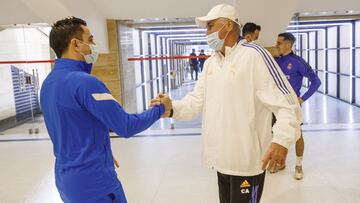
[164, 166]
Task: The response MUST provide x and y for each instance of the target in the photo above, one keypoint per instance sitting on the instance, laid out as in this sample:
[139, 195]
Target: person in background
[194, 65]
[251, 32]
[202, 60]
[295, 69]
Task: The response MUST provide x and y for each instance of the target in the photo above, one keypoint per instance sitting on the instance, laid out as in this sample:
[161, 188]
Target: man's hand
[155, 102]
[275, 157]
[163, 99]
[300, 100]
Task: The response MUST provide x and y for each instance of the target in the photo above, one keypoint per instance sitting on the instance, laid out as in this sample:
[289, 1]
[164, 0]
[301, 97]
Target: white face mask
[214, 41]
[93, 56]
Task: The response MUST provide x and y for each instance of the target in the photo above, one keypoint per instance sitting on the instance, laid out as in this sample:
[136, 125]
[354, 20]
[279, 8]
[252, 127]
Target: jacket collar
[67, 63]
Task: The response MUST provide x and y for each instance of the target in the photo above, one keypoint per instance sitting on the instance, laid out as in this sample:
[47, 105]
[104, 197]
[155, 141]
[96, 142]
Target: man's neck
[74, 56]
[287, 53]
[230, 41]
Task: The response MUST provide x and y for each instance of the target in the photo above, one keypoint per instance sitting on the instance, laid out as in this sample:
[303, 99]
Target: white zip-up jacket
[237, 95]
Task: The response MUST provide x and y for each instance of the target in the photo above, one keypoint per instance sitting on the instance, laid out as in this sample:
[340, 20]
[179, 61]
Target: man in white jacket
[240, 87]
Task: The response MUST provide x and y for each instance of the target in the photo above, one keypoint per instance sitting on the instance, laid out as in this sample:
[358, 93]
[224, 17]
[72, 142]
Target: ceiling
[273, 15]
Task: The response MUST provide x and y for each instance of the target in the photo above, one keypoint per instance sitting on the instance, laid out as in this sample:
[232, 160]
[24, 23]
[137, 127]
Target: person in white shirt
[241, 86]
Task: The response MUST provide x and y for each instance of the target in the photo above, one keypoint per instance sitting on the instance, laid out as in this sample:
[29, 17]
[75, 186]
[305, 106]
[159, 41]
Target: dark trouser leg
[243, 189]
[224, 187]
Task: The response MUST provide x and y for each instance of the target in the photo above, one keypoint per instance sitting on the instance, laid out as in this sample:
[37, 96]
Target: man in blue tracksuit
[79, 111]
[295, 69]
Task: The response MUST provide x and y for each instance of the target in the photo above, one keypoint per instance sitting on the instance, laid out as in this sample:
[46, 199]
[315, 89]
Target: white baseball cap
[218, 11]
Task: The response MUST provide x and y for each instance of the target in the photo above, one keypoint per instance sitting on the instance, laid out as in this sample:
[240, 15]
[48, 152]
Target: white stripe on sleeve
[103, 96]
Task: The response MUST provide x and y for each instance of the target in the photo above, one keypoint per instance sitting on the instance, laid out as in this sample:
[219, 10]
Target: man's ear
[74, 44]
[290, 44]
[230, 26]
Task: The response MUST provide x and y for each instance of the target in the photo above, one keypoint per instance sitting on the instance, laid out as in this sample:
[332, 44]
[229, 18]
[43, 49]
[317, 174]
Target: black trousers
[240, 189]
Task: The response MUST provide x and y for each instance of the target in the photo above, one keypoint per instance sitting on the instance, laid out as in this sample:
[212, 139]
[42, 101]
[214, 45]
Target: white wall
[20, 44]
[52, 10]
[273, 16]
[22, 15]
[135, 9]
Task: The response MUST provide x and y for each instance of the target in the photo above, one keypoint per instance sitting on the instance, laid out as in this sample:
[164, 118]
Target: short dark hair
[63, 31]
[288, 36]
[250, 28]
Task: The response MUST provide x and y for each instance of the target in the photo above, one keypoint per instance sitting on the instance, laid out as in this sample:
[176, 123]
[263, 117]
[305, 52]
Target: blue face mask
[214, 41]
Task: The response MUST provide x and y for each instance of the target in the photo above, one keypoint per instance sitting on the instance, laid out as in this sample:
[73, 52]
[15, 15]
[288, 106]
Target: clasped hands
[166, 101]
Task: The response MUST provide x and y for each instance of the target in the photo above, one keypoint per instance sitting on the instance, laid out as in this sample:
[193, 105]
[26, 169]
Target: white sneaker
[299, 174]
